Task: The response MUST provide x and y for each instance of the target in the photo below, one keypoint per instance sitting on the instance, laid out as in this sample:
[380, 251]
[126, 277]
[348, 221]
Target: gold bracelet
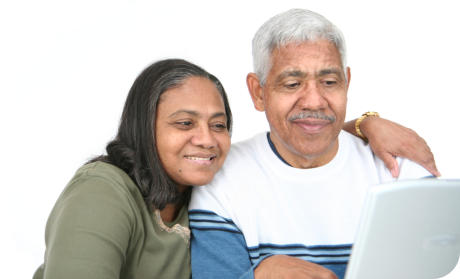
[359, 120]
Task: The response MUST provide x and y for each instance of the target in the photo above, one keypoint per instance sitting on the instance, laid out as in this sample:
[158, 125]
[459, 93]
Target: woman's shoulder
[102, 170]
[100, 178]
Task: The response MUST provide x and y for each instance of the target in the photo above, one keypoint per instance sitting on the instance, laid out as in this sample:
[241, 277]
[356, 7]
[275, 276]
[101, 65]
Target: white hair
[295, 25]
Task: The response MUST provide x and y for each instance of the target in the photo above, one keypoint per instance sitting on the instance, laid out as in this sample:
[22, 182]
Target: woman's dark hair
[134, 147]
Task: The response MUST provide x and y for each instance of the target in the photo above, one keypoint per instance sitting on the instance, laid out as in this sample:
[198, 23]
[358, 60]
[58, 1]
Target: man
[286, 204]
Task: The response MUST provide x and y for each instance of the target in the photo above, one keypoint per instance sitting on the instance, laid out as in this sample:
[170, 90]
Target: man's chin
[316, 152]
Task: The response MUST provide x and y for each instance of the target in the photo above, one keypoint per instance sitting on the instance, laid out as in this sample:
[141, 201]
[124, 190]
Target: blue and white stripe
[207, 220]
[319, 254]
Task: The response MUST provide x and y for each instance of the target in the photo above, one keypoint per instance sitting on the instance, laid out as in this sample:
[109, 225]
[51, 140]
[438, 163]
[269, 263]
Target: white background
[66, 68]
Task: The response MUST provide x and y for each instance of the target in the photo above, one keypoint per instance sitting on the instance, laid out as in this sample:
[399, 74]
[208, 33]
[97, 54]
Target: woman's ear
[256, 91]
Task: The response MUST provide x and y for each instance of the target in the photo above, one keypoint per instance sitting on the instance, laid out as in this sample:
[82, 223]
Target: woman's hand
[389, 140]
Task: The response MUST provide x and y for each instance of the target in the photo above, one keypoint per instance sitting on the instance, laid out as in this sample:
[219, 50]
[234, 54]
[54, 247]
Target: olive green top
[101, 228]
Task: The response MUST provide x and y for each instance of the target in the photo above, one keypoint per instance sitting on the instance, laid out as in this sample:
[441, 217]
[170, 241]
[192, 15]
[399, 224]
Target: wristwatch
[359, 120]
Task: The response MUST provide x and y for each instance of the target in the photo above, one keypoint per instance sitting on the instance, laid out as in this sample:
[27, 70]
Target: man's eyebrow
[292, 73]
[329, 71]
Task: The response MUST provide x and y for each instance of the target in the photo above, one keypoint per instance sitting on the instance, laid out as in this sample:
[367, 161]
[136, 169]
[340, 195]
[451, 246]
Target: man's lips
[312, 125]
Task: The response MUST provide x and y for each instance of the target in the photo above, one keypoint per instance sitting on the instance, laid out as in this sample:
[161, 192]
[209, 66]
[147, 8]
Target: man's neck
[303, 161]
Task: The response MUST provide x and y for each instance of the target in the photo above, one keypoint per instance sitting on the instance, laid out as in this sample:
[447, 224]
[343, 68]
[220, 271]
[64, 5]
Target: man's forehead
[319, 46]
[297, 73]
[307, 57]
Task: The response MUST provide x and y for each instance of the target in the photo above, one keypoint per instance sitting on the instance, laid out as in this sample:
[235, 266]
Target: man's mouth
[312, 125]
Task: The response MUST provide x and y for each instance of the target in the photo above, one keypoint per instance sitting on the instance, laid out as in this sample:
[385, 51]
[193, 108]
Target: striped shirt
[258, 206]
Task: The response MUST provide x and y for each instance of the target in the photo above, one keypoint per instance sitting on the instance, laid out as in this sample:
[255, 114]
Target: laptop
[409, 230]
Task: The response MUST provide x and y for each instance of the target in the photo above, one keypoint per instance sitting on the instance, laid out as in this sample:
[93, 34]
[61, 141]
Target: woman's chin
[201, 181]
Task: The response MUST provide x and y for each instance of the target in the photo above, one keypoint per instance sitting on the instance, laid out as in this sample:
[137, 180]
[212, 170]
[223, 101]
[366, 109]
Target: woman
[124, 214]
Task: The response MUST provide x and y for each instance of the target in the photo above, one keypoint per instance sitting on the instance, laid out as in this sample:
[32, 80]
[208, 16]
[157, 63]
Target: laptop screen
[409, 229]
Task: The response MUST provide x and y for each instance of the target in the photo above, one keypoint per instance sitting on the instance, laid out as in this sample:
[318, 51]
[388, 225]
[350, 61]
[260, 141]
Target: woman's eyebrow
[191, 112]
[195, 113]
[219, 114]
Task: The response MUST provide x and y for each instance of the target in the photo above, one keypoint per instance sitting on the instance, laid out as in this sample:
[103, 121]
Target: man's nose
[312, 97]
[204, 137]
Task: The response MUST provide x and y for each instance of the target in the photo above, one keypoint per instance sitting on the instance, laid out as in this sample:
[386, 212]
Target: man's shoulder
[352, 140]
[410, 170]
[251, 143]
[240, 167]
[352, 147]
[358, 149]
[245, 151]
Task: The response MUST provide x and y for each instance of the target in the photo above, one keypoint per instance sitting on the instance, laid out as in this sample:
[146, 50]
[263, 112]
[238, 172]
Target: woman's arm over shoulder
[389, 140]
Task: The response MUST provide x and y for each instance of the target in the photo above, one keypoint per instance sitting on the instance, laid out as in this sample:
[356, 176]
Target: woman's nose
[204, 137]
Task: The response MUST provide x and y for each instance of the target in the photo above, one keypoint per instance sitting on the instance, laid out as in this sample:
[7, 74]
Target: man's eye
[330, 82]
[292, 85]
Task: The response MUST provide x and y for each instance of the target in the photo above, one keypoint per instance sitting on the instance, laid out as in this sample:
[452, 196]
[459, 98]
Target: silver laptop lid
[409, 229]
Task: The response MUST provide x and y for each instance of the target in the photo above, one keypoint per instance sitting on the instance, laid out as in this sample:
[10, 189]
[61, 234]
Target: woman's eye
[219, 126]
[183, 124]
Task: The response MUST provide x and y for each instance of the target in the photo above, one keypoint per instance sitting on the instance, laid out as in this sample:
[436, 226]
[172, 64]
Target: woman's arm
[88, 232]
[389, 140]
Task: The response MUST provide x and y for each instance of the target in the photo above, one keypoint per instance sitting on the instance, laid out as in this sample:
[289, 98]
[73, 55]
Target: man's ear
[348, 77]
[256, 91]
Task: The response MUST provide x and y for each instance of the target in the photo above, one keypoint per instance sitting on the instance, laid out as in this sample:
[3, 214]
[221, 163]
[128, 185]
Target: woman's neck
[170, 212]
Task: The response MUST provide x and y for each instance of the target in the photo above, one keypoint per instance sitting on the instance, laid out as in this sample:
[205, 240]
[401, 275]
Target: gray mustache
[312, 114]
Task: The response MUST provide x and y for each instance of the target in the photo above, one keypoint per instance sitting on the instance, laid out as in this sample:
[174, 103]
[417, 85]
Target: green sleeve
[89, 230]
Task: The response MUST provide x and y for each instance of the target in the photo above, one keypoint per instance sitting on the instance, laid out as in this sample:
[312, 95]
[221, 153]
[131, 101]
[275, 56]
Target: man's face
[305, 98]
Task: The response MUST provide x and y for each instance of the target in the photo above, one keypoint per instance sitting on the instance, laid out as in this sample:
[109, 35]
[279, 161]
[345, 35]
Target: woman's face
[191, 132]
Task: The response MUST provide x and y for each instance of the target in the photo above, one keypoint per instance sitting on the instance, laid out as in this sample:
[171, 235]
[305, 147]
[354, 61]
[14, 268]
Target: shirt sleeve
[88, 231]
[218, 246]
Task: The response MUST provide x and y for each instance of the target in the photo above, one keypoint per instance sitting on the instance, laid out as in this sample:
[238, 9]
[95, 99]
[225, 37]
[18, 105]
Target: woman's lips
[201, 159]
